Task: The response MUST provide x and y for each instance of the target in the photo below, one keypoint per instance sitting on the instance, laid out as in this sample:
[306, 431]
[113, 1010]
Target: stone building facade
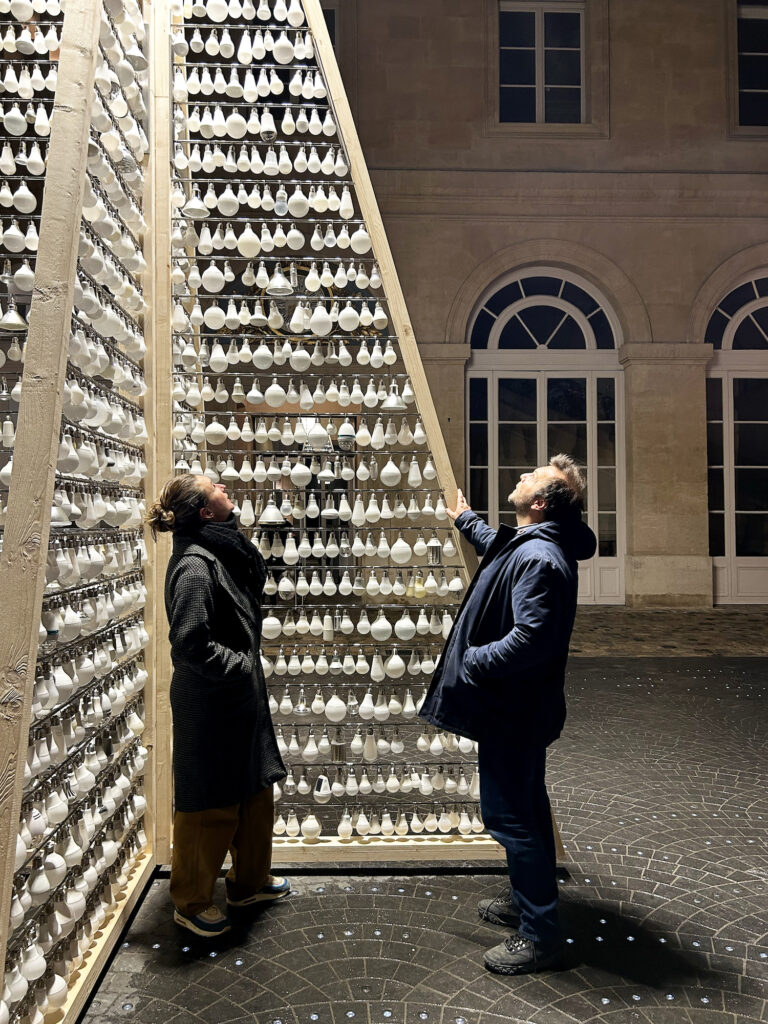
[654, 207]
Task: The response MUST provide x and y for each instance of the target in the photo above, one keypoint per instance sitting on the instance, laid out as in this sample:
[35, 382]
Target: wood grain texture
[159, 372]
[25, 541]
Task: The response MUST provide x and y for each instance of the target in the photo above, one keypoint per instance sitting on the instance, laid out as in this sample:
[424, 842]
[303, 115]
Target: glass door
[519, 420]
[737, 443]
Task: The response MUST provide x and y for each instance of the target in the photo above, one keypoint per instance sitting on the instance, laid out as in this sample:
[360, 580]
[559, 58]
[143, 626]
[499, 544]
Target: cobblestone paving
[607, 630]
[660, 786]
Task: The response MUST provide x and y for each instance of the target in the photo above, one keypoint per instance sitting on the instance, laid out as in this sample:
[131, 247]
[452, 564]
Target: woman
[225, 756]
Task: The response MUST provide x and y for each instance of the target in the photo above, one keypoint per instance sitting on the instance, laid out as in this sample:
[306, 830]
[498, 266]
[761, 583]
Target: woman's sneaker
[209, 923]
[501, 910]
[275, 889]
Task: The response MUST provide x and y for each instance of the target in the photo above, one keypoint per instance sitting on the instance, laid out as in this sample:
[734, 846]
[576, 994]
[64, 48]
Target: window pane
[751, 536]
[517, 67]
[508, 519]
[517, 444]
[715, 444]
[606, 490]
[739, 297]
[569, 438]
[514, 335]
[753, 108]
[330, 21]
[478, 398]
[481, 329]
[540, 285]
[504, 297]
[562, 105]
[748, 335]
[716, 329]
[753, 71]
[508, 481]
[478, 444]
[517, 105]
[568, 335]
[750, 444]
[753, 35]
[517, 398]
[478, 487]
[562, 67]
[603, 331]
[562, 29]
[516, 28]
[606, 535]
[716, 490]
[750, 399]
[752, 489]
[579, 298]
[714, 398]
[606, 444]
[717, 534]
[541, 321]
[566, 398]
[606, 398]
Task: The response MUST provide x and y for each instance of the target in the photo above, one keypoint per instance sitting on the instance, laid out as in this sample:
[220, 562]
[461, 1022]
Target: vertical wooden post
[27, 527]
[159, 374]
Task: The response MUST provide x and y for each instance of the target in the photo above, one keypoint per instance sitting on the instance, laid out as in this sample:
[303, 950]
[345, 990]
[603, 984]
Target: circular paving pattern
[660, 787]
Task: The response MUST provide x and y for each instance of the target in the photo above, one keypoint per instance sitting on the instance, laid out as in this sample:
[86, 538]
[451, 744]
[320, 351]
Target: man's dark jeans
[515, 809]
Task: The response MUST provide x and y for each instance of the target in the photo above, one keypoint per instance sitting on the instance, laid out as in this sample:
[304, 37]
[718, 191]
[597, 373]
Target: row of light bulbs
[289, 11]
[298, 204]
[304, 84]
[72, 560]
[380, 823]
[29, 40]
[425, 780]
[28, 82]
[378, 668]
[271, 163]
[277, 283]
[14, 157]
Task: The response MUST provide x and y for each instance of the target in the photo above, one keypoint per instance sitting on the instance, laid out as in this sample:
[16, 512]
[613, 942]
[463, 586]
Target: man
[500, 681]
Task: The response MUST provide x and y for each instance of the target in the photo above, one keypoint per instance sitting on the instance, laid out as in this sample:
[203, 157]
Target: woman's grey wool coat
[224, 747]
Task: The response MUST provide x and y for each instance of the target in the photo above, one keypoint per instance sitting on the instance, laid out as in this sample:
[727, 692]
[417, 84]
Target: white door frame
[736, 580]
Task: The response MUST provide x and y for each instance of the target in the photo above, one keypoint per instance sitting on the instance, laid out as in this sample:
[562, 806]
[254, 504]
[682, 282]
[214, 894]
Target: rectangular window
[750, 464]
[715, 467]
[330, 21]
[541, 62]
[752, 49]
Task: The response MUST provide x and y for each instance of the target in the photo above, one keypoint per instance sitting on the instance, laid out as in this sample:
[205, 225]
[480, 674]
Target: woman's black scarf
[240, 558]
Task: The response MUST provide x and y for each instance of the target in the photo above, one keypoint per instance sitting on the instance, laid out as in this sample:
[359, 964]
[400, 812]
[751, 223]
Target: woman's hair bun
[159, 518]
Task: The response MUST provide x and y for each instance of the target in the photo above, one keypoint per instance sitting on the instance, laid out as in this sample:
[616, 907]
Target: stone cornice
[515, 195]
[691, 353]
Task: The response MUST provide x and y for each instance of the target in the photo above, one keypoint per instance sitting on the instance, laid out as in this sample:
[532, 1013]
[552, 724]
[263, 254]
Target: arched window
[536, 310]
[737, 443]
[544, 377]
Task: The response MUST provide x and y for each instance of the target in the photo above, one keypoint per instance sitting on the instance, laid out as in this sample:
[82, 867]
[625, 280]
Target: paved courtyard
[660, 786]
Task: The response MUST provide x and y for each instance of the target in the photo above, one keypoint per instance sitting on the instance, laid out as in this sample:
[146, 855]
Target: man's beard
[520, 505]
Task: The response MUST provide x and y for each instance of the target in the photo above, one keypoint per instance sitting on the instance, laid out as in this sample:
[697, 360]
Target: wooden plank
[332, 850]
[159, 368]
[25, 541]
[391, 283]
[84, 979]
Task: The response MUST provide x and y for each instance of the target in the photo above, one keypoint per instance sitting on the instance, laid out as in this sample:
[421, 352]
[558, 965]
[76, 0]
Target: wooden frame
[27, 527]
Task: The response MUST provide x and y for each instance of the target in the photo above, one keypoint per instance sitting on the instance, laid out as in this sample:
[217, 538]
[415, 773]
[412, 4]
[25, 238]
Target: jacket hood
[576, 539]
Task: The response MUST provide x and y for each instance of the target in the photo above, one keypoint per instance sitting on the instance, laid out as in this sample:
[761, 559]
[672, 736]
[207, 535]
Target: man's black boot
[518, 955]
[502, 910]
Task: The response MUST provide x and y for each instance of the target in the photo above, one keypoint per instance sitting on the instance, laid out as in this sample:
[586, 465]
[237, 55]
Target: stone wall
[647, 203]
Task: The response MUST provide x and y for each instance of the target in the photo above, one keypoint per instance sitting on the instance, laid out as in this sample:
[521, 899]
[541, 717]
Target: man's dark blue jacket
[502, 671]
